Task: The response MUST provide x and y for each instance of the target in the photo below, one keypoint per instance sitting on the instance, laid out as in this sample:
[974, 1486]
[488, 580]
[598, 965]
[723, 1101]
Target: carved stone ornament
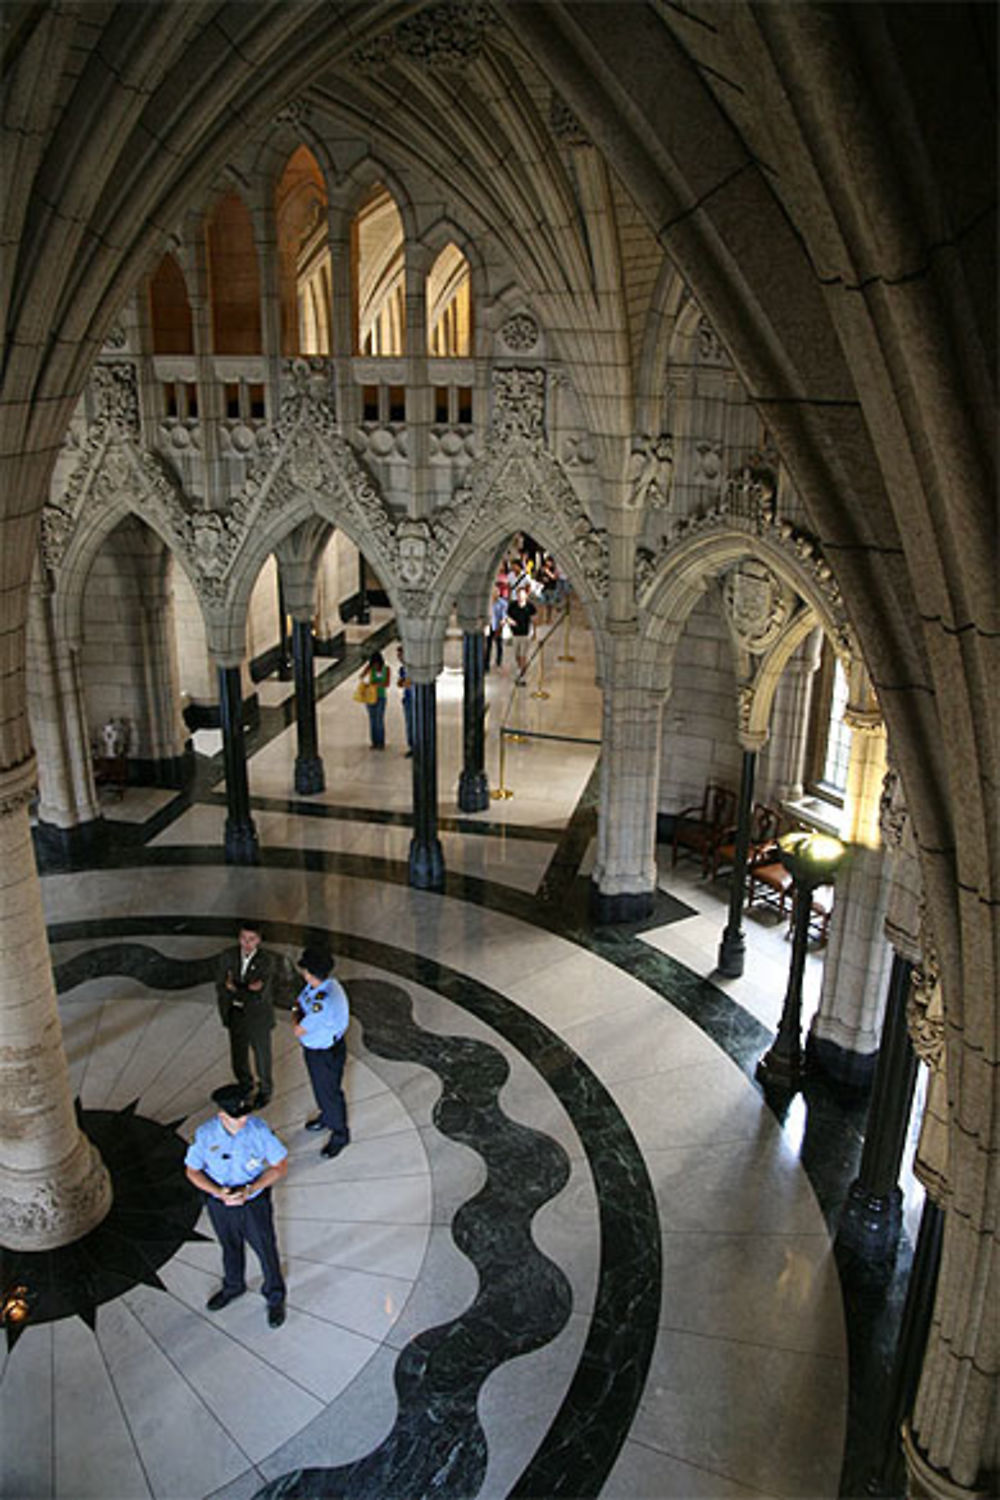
[448, 35]
[564, 124]
[18, 785]
[892, 814]
[711, 350]
[116, 337]
[520, 333]
[757, 604]
[650, 473]
[925, 1012]
[412, 546]
[518, 405]
[114, 387]
[295, 113]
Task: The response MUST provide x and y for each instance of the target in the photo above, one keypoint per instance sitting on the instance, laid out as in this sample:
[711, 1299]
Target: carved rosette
[519, 334]
[757, 605]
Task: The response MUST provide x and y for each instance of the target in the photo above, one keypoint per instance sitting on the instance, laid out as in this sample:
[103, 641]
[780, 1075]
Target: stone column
[623, 885]
[790, 720]
[241, 835]
[473, 787]
[54, 1187]
[872, 1216]
[70, 826]
[845, 1031]
[732, 948]
[426, 855]
[309, 777]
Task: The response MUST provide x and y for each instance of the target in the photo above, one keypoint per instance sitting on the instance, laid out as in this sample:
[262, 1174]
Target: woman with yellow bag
[372, 687]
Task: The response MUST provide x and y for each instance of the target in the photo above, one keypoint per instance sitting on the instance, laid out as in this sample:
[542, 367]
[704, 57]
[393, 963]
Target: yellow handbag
[366, 692]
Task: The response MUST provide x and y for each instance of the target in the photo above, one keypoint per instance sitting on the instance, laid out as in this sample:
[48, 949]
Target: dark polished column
[364, 614]
[890, 1477]
[426, 855]
[241, 835]
[732, 948]
[308, 763]
[872, 1215]
[284, 659]
[473, 788]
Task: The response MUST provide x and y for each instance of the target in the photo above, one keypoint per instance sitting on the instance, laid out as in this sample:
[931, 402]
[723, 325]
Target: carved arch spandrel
[669, 589]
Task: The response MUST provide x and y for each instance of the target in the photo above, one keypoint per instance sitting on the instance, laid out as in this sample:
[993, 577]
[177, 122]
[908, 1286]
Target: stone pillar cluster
[624, 879]
[53, 1185]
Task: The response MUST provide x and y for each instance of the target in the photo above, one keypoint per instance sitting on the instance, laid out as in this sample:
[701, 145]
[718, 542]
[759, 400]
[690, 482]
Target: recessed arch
[171, 325]
[301, 210]
[378, 269]
[449, 305]
[234, 278]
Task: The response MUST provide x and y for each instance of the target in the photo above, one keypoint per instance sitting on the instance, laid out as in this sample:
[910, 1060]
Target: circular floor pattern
[522, 1299]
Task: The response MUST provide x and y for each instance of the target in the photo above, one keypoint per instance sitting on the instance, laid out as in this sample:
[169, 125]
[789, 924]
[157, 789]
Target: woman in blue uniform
[234, 1160]
[321, 1017]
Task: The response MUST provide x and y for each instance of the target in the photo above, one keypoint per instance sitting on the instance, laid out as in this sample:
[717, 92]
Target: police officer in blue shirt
[234, 1159]
[321, 1016]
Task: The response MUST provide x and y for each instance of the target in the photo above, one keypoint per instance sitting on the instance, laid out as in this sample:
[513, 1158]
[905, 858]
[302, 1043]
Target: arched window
[304, 266]
[170, 310]
[379, 290]
[234, 279]
[829, 747]
[449, 305]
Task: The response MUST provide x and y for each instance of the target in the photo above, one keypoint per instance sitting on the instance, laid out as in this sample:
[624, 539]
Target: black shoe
[333, 1148]
[276, 1315]
[221, 1299]
[316, 1123]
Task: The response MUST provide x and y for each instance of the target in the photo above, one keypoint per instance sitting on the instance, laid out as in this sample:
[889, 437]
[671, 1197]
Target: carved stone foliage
[711, 350]
[650, 473]
[519, 333]
[757, 604]
[892, 814]
[564, 124]
[518, 405]
[449, 35]
[925, 1012]
[114, 387]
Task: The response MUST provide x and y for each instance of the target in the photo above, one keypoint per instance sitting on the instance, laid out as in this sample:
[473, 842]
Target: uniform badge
[317, 1006]
[213, 1148]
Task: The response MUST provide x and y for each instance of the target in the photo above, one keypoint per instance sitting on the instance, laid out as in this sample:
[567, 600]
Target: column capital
[18, 785]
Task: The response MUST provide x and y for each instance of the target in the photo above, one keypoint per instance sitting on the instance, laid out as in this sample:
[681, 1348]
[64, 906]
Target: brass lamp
[812, 859]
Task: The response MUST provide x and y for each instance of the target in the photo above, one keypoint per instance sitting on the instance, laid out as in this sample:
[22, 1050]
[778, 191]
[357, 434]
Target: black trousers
[240, 1042]
[326, 1070]
[248, 1223]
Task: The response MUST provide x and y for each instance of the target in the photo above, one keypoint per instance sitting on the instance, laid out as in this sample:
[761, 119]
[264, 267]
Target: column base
[623, 906]
[426, 865]
[778, 1070]
[241, 844]
[45, 1208]
[870, 1224]
[309, 775]
[473, 791]
[68, 848]
[926, 1483]
[854, 1070]
[732, 954]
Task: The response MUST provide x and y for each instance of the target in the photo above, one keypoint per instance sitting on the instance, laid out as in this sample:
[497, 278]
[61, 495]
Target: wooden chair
[768, 882]
[699, 830]
[764, 824]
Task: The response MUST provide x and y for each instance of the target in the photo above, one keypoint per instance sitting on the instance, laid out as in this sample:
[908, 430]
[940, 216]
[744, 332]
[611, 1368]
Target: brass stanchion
[502, 793]
[540, 689]
[567, 656]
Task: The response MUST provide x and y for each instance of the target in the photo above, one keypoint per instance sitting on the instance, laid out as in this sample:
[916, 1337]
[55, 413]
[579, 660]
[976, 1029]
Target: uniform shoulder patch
[317, 1005]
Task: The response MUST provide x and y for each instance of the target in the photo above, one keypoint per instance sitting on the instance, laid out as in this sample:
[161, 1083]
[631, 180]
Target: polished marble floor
[570, 1250]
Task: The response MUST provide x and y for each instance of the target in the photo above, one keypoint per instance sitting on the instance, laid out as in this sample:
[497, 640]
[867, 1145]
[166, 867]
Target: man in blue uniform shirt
[234, 1159]
[321, 1017]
